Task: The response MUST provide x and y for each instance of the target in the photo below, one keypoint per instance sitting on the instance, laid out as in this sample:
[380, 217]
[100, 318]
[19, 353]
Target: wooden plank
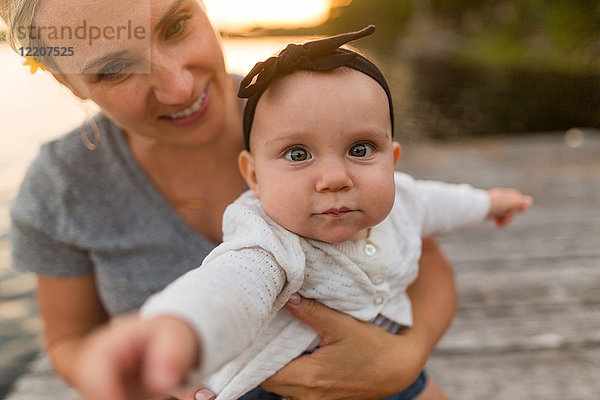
[528, 282]
[518, 249]
[570, 374]
[41, 383]
[19, 323]
[549, 240]
[536, 163]
[528, 321]
[491, 330]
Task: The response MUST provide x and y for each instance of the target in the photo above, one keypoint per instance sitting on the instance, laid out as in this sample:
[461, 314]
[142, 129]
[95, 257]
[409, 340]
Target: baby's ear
[248, 170]
[397, 149]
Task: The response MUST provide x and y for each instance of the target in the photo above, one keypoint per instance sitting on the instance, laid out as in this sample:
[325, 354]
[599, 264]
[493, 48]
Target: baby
[326, 217]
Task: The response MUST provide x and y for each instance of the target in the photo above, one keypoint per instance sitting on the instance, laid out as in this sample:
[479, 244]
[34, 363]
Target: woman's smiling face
[171, 86]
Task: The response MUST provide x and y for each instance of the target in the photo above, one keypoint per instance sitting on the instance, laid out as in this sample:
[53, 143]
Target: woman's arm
[359, 360]
[433, 297]
[70, 309]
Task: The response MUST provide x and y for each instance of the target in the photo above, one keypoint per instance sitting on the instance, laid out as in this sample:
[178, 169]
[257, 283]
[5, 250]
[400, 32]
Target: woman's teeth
[190, 110]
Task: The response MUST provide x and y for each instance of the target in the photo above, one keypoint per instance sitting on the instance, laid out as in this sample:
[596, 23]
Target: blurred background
[501, 85]
[464, 67]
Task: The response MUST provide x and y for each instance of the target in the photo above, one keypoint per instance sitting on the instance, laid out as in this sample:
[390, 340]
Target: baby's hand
[135, 359]
[505, 203]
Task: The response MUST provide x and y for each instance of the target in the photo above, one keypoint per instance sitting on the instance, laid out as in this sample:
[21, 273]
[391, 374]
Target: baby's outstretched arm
[134, 358]
[505, 204]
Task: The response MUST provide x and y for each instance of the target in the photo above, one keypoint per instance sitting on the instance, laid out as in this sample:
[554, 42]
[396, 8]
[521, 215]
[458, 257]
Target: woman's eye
[110, 72]
[361, 150]
[298, 155]
[174, 29]
[177, 27]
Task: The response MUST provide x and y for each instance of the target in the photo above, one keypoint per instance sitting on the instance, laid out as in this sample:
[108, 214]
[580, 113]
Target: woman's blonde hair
[19, 17]
[18, 13]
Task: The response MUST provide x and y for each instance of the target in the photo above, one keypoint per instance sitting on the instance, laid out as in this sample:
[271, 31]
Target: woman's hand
[356, 360]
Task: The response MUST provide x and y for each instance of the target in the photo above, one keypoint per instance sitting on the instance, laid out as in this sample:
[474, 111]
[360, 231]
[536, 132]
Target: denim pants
[407, 394]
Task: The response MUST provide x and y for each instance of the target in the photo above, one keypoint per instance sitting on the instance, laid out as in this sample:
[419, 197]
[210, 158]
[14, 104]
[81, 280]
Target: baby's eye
[361, 150]
[298, 154]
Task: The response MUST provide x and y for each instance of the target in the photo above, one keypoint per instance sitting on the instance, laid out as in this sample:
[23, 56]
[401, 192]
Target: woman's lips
[190, 114]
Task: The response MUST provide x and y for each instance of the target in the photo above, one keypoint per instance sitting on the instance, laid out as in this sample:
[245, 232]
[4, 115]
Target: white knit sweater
[235, 299]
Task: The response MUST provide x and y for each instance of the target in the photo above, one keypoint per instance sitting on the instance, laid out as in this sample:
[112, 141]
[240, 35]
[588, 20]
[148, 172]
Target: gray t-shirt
[81, 212]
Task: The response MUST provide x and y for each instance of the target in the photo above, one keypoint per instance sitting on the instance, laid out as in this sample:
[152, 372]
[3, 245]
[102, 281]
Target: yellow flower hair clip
[33, 64]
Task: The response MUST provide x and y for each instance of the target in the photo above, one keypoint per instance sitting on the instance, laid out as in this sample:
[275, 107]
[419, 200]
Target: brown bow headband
[317, 55]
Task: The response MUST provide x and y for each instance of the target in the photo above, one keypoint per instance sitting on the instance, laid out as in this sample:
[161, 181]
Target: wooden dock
[528, 322]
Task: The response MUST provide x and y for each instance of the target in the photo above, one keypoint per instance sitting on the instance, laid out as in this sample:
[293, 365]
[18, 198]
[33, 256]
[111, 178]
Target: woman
[100, 227]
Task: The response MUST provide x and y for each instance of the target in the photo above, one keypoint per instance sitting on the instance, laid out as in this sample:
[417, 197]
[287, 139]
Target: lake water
[440, 99]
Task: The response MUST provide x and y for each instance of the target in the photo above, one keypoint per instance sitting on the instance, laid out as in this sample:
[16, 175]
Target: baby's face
[322, 159]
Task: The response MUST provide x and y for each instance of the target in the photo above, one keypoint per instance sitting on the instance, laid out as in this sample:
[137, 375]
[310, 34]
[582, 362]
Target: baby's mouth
[336, 212]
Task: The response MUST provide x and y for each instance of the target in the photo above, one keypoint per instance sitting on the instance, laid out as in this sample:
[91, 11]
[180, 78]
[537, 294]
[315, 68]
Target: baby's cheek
[280, 206]
[269, 204]
[382, 200]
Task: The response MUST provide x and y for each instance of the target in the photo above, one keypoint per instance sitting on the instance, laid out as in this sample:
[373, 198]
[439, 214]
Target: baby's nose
[333, 176]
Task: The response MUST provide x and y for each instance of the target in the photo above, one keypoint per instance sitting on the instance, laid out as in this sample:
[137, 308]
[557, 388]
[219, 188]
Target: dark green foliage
[390, 17]
[561, 33]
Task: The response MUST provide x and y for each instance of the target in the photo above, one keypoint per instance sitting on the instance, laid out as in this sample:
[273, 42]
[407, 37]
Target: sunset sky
[240, 15]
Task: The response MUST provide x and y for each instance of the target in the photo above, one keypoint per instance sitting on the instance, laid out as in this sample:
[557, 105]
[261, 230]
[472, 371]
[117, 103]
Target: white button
[378, 300]
[370, 250]
[378, 279]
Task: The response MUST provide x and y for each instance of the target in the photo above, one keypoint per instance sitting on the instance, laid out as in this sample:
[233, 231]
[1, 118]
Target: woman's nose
[333, 176]
[173, 84]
